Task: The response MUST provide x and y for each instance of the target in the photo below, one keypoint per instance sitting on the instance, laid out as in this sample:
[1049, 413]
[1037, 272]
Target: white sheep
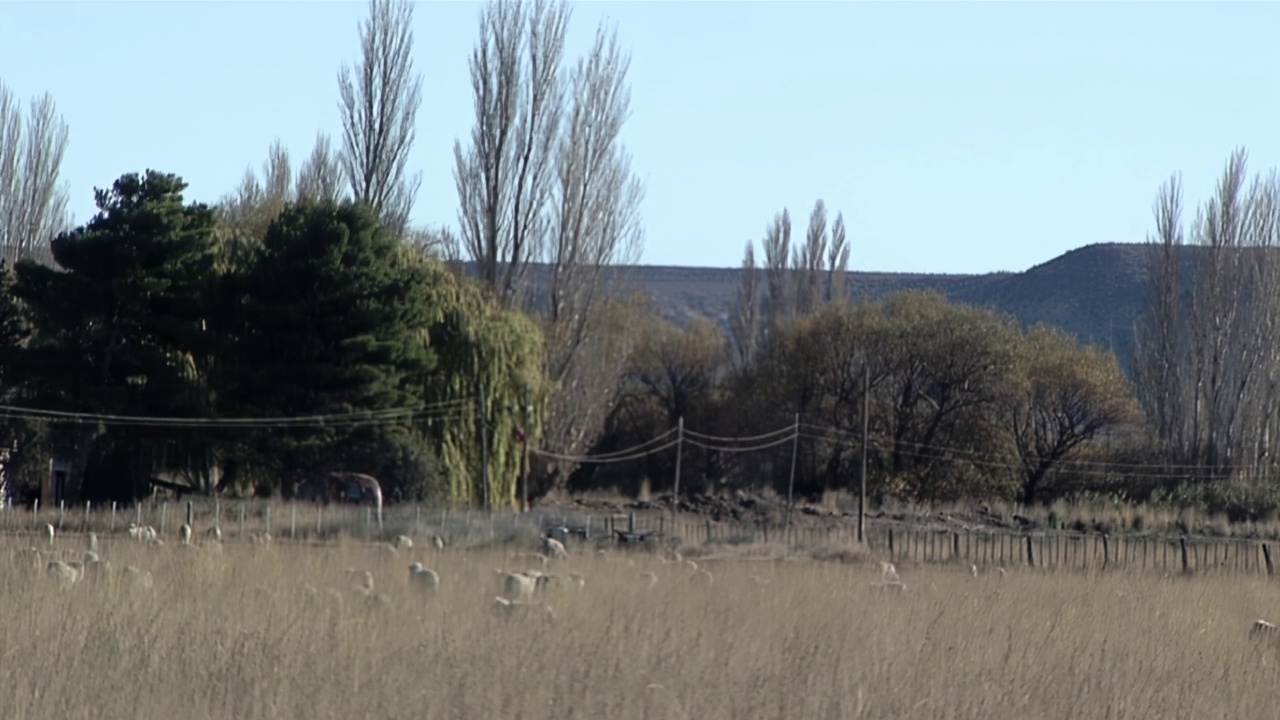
[702, 576]
[889, 579]
[364, 579]
[65, 573]
[260, 538]
[48, 532]
[650, 578]
[424, 577]
[552, 547]
[214, 533]
[517, 586]
[404, 542]
[529, 557]
[139, 578]
[143, 533]
[513, 608]
[1261, 628]
[438, 542]
[185, 533]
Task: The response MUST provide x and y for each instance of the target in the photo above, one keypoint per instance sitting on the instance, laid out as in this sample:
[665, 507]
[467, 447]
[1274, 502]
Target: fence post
[113, 516]
[267, 517]
[164, 515]
[319, 517]
[242, 518]
[1106, 551]
[1266, 556]
[891, 556]
[191, 514]
[955, 546]
[86, 515]
[1031, 558]
[293, 520]
[1186, 562]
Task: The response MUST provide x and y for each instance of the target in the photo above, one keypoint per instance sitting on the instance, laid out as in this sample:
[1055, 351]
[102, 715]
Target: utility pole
[866, 423]
[791, 484]
[675, 492]
[524, 455]
[484, 446]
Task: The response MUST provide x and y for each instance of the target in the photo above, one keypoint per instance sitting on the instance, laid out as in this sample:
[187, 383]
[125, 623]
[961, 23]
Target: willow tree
[482, 348]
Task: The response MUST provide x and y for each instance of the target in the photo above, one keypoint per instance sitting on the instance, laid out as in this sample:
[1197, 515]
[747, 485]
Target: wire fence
[981, 550]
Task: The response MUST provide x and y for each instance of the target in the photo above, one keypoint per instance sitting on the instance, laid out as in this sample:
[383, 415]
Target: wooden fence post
[1031, 558]
[1186, 561]
[1266, 556]
[1106, 551]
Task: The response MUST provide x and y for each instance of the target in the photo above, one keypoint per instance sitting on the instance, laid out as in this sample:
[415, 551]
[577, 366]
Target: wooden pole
[862, 479]
[524, 450]
[675, 490]
[484, 445]
[791, 484]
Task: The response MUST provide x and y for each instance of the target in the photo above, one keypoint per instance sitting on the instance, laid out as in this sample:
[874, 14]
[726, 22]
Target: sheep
[1262, 629]
[364, 578]
[973, 570]
[48, 532]
[404, 542]
[517, 586]
[138, 578]
[93, 566]
[650, 578]
[554, 548]
[530, 557]
[889, 578]
[438, 542]
[65, 573]
[512, 608]
[185, 533]
[703, 576]
[888, 573]
[142, 533]
[423, 577]
[260, 538]
[576, 580]
[91, 541]
[214, 533]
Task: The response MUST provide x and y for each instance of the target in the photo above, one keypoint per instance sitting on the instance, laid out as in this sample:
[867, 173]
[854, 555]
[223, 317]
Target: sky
[955, 137]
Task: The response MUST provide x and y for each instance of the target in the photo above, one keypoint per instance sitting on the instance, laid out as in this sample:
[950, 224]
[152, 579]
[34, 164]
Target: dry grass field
[240, 634]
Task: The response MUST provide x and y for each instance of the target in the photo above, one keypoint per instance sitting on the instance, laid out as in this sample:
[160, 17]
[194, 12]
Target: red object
[520, 435]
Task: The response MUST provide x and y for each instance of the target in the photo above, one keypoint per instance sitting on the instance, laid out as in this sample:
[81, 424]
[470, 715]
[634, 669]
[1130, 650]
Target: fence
[309, 522]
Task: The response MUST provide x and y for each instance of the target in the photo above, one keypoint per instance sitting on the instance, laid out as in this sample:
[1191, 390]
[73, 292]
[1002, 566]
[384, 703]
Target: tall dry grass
[236, 635]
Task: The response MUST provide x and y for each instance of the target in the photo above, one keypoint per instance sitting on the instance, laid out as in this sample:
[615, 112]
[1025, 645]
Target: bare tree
[745, 326]
[506, 177]
[808, 260]
[777, 255]
[320, 177]
[837, 263]
[380, 101]
[247, 213]
[33, 202]
[1160, 354]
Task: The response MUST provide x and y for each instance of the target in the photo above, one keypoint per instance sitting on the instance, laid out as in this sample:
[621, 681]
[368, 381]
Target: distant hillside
[1095, 292]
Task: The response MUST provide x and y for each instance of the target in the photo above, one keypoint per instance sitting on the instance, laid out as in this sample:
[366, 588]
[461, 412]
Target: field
[241, 634]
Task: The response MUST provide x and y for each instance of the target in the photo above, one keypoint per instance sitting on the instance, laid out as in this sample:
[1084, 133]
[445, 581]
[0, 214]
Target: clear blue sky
[955, 137]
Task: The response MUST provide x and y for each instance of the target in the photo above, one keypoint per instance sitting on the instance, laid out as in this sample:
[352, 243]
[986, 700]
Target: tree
[33, 203]
[320, 177]
[1066, 397]
[332, 322]
[777, 257]
[837, 263]
[745, 324]
[380, 101]
[120, 328]
[550, 164]
[506, 176]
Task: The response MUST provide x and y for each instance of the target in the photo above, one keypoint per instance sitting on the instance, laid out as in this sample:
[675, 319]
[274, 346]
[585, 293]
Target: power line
[439, 410]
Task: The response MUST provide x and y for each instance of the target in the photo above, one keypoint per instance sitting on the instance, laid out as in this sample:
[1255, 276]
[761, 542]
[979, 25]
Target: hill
[1095, 292]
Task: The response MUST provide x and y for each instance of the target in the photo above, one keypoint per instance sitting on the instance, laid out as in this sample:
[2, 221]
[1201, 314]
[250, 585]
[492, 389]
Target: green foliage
[120, 324]
[480, 343]
[331, 322]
